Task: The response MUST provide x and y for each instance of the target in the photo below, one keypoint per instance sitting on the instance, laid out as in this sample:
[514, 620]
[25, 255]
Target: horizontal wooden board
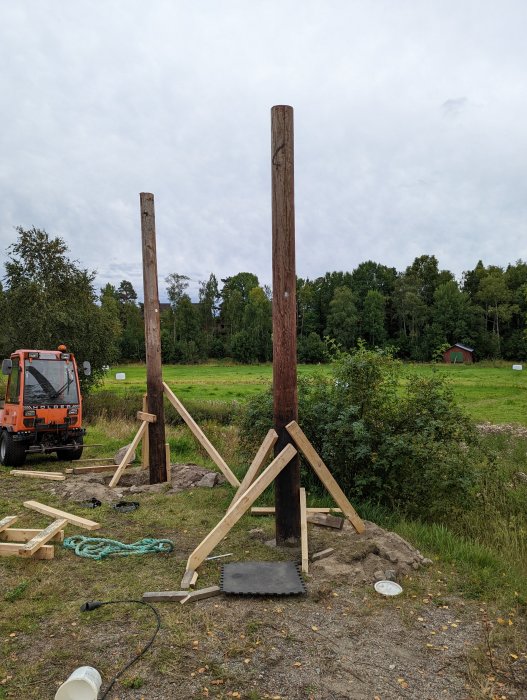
[10, 549]
[56, 513]
[14, 534]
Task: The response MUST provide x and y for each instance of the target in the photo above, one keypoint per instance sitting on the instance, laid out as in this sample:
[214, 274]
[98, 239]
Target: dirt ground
[340, 641]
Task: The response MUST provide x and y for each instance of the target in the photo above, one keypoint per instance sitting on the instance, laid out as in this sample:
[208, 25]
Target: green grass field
[488, 392]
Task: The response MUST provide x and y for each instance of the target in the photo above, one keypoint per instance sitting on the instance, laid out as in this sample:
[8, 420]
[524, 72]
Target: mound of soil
[83, 487]
[362, 559]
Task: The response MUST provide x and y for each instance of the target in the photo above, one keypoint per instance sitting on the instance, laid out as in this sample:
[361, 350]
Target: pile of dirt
[84, 487]
[374, 555]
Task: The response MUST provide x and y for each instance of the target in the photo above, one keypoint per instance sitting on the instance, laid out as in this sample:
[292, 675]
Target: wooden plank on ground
[209, 592]
[28, 549]
[303, 531]
[148, 417]
[324, 474]
[269, 510]
[326, 520]
[231, 518]
[7, 521]
[201, 437]
[10, 549]
[129, 452]
[323, 554]
[14, 534]
[95, 469]
[257, 463]
[56, 513]
[51, 476]
[160, 596]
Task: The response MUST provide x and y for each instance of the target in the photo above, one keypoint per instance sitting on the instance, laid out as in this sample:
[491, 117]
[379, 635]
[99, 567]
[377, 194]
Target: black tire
[72, 454]
[12, 454]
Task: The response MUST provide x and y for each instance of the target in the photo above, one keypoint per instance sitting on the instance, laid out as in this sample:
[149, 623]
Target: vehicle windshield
[49, 382]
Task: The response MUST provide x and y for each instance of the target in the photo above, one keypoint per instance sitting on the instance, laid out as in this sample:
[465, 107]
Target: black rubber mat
[262, 578]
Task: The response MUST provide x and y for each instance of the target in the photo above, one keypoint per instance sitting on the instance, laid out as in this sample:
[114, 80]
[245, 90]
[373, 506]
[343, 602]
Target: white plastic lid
[388, 588]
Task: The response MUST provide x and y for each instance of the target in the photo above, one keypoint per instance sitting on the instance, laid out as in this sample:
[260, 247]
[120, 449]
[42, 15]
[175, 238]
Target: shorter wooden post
[169, 466]
[145, 447]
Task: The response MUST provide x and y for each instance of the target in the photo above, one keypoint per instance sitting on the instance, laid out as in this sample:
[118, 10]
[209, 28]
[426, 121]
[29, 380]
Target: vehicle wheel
[73, 453]
[12, 454]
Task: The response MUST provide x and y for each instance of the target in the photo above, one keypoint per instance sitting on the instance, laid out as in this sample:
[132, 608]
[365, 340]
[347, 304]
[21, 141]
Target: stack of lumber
[33, 543]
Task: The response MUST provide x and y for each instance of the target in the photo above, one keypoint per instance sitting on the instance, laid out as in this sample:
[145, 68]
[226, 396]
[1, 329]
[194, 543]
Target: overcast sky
[410, 130]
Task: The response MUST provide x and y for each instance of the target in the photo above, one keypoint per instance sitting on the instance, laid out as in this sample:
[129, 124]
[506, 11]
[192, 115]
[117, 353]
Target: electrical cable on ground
[94, 604]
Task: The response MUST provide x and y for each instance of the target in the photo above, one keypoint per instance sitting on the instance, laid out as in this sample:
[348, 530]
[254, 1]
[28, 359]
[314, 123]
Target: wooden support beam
[269, 510]
[303, 531]
[326, 520]
[7, 522]
[169, 465]
[129, 453]
[189, 578]
[324, 475]
[231, 518]
[43, 536]
[257, 463]
[56, 513]
[145, 446]
[148, 417]
[50, 476]
[13, 534]
[95, 469]
[285, 402]
[201, 437]
[10, 549]
[154, 376]
[317, 556]
[162, 596]
[203, 593]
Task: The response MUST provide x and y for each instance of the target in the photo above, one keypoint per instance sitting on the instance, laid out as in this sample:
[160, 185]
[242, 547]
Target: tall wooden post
[154, 378]
[287, 483]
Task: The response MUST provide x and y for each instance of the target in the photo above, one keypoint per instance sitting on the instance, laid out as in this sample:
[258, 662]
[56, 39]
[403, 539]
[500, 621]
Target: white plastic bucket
[120, 375]
[83, 684]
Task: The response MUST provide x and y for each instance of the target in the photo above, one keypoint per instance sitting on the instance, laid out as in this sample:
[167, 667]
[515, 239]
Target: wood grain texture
[128, 455]
[56, 513]
[303, 531]
[154, 377]
[42, 537]
[231, 518]
[201, 437]
[285, 401]
[14, 534]
[324, 475]
[10, 549]
[256, 465]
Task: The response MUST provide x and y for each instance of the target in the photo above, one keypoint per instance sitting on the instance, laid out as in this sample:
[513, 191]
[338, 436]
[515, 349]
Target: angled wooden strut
[232, 516]
[129, 453]
[257, 463]
[201, 437]
[324, 474]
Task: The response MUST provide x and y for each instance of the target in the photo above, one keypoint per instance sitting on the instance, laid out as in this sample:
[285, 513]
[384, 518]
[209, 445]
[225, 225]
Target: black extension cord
[94, 604]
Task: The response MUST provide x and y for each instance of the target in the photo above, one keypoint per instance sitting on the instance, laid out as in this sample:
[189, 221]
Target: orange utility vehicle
[42, 411]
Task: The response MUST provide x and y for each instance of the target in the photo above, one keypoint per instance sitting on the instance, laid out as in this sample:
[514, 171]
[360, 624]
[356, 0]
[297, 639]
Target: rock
[426, 562]
[390, 575]
[257, 533]
[118, 457]
[208, 481]
[415, 566]
[378, 575]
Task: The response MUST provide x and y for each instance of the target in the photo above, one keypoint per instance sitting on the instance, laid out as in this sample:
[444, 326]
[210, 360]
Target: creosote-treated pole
[154, 377]
[287, 483]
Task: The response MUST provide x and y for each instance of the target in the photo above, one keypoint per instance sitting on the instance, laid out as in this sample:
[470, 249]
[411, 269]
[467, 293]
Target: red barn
[459, 354]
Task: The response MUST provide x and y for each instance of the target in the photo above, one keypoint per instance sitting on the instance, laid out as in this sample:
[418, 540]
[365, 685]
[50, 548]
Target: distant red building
[459, 354]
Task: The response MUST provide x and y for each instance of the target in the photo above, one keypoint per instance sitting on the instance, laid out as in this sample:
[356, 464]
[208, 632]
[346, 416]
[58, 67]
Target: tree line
[47, 298]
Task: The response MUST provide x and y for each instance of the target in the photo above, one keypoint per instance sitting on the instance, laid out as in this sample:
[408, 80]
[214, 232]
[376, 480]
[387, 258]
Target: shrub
[405, 448]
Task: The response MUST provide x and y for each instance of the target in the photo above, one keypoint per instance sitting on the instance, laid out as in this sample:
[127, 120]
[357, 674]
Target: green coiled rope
[101, 547]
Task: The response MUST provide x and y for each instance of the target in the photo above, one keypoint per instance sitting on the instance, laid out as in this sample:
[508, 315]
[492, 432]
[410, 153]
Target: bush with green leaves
[404, 447]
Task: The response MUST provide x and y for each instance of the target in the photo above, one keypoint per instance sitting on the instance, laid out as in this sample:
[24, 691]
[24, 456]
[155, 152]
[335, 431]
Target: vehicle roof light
[64, 356]
[33, 354]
